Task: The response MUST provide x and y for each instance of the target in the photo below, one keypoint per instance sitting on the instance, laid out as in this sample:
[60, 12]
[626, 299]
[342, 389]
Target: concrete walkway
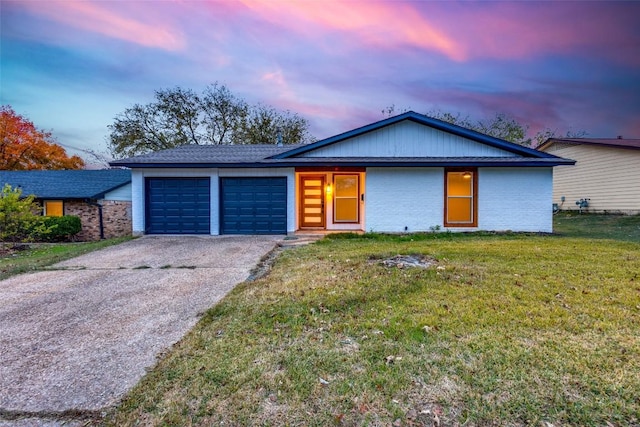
[76, 338]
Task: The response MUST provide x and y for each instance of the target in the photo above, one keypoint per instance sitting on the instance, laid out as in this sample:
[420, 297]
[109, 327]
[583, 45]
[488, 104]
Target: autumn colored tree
[24, 147]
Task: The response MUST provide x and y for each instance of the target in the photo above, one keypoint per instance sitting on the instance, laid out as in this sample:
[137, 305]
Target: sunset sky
[72, 66]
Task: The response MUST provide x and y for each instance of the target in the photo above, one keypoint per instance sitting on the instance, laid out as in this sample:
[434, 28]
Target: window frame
[357, 198]
[44, 206]
[474, 198]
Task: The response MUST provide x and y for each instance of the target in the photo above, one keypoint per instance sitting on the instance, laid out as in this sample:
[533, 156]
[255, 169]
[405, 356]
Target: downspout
[100, 221]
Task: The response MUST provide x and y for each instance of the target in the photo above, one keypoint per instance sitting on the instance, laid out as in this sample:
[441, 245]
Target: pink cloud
[377, 24]
[96, 17]
[466, 30]
[520, 30]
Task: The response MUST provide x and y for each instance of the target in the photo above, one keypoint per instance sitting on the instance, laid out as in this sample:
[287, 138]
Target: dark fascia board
[424, 120]
[546, 143]
[386, 163]
[80, 199]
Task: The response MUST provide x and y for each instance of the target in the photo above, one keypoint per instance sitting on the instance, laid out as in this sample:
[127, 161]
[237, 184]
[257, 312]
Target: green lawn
[39, 256]
[504, 330]
[619, 227]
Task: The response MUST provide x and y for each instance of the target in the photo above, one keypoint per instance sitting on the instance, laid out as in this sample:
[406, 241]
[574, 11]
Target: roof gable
[463, 142]
[66, 184]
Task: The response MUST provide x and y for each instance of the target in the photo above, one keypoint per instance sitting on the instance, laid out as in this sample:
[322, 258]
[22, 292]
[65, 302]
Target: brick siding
[116, 218]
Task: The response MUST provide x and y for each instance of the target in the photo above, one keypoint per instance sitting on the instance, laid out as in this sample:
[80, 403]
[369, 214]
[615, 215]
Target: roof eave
[371, 163]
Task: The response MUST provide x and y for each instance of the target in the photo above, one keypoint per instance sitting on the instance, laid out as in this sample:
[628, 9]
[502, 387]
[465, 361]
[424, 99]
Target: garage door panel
[256, 205]
[178, 206]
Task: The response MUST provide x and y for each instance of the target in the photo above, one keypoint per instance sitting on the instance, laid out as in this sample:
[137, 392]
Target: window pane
[346, 185]
[53, 208]
[347, 210]
[459, 209]
[458, 185]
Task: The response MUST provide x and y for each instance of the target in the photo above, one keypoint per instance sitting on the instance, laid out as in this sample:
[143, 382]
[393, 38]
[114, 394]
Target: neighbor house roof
[66, 184]
[633, 144]
[268, 156]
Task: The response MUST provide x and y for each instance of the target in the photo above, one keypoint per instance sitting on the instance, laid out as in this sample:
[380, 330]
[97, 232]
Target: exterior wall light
[328, 188]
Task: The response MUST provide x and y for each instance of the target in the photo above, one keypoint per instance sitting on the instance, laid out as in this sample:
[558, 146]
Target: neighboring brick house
[101, 198]
[606, 174]
[407, 173]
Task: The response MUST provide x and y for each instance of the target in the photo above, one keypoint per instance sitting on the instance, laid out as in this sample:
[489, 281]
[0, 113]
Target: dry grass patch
[37, 256]
[504, 330]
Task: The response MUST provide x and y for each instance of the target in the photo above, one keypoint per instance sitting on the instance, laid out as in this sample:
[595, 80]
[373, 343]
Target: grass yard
[619, 227]
[38, 256]
[503, 330]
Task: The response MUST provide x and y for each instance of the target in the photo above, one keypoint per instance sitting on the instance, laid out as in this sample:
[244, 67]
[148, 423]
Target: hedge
[60, 228]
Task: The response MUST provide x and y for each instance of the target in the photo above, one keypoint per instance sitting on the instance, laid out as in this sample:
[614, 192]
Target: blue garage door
[253, 205]
[178, 206]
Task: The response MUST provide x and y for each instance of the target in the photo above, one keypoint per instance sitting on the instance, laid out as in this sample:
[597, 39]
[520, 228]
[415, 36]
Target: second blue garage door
[253, 205]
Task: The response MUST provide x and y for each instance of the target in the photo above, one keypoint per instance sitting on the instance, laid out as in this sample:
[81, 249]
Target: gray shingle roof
[211, 154]
[66, 184]
[605, 142]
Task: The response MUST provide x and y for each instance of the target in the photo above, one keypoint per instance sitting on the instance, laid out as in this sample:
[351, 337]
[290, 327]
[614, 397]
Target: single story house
[407, 173]
[606, 174]
[101, 198]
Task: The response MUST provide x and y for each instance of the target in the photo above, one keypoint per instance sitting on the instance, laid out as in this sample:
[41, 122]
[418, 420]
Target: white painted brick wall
[403, 197]
[517, 199]
[137, 202]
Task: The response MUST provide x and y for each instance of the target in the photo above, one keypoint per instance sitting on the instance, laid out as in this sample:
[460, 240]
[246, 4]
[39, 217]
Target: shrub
[18, 216]
[59, 228]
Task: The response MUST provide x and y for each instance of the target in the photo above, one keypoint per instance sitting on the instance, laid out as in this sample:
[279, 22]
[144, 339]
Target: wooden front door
[312, 201]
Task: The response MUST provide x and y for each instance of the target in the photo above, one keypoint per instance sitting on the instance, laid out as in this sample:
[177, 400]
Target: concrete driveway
[76, 338]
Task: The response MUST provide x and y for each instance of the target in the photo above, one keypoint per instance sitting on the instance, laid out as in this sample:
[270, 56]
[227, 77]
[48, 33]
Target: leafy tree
[264, 123]
[24, 147]
[500, 126]
[19, 218]
[181, 116]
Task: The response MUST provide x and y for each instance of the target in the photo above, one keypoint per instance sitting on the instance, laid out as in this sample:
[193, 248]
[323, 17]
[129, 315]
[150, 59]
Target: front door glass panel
[312, 201]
